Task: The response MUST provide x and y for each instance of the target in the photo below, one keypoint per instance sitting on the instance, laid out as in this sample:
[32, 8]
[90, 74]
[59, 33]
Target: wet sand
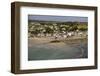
[44, 49]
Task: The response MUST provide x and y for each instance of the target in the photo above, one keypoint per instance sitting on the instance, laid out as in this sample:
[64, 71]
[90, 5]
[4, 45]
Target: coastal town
[57, 31]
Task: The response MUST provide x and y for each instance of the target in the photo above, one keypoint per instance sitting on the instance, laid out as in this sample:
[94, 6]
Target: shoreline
[43, 49]
[51, 40]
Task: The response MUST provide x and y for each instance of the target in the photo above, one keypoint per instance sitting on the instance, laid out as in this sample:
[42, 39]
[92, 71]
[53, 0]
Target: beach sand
[44, 49]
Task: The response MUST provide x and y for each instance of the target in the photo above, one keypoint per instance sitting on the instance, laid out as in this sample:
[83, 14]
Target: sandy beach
[45, 49]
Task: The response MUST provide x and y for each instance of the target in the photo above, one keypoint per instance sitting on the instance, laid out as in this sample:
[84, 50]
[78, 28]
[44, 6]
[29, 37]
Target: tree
[82, 27]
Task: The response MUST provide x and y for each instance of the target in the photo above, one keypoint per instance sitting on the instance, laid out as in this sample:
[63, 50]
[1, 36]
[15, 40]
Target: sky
[57, 18]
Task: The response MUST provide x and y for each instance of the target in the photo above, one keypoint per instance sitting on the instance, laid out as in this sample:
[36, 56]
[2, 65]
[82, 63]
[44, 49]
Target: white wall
[5, 33]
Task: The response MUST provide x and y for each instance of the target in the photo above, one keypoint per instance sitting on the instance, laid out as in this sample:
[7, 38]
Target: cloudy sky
[57, 18]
